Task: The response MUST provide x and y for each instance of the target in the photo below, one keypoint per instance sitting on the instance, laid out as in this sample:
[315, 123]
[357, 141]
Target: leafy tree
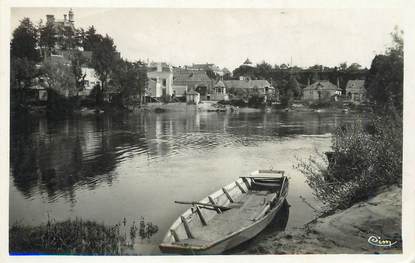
[354, 67]
[287, 98]
[103, 58]
[244, 71]
[47, 39]
[24, 41]
[77, 60]
[343, 66]
[61, 78]
[130, 78]
[315, 77]
[22, 70]
[385, 80]
[294, 86]
[90, 39]
[263, 70]
[226, 74]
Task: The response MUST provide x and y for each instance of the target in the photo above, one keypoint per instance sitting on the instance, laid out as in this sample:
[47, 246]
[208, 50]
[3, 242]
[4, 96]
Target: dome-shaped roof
[247, 62]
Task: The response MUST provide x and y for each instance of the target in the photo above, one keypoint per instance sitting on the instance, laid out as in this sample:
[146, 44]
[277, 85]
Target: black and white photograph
[184, 131]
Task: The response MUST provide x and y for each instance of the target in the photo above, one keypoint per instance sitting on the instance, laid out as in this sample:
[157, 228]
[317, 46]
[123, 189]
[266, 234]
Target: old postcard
[161, 130]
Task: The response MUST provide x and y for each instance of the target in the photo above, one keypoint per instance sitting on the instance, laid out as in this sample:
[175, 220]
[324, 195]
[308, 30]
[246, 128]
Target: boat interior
[247, 200]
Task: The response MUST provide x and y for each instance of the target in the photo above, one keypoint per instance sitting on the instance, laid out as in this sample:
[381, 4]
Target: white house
[161, 80]
[90, 80]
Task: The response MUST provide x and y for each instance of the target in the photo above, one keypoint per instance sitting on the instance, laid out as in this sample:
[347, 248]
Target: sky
[227, 37]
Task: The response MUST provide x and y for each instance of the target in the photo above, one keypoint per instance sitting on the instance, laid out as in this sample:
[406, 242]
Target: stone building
[160, 77]
[245, 87]
[322, 90]
[196, 80]
[355, 91]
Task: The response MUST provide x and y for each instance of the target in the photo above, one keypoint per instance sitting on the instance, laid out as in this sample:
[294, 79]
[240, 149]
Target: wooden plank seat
[253, 203]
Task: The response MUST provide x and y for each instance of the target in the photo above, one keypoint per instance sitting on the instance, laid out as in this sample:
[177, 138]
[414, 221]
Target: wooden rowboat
[229, 216]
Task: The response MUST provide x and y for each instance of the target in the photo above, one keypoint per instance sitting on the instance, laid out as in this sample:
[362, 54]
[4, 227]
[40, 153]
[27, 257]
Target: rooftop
[322, 84]
[355, 84]
[247, 84]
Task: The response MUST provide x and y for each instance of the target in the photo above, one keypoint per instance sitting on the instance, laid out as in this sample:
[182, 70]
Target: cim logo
[378, 242]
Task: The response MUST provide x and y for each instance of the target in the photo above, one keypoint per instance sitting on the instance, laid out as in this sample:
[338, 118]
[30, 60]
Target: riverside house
[321, 91]
[160, 77]
[196, 80]
[246, 87]
[355, 91]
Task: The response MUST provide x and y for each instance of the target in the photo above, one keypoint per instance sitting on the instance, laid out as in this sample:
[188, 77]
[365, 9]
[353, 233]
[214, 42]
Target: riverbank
[345, 231]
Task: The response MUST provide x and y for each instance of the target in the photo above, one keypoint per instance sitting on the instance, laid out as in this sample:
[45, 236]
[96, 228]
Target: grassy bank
[66, 237]
[76, 237]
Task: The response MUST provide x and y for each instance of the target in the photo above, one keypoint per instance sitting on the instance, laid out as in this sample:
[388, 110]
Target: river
[133, 166]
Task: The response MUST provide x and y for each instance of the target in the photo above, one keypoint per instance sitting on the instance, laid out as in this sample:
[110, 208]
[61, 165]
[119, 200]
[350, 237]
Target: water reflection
[57, 157]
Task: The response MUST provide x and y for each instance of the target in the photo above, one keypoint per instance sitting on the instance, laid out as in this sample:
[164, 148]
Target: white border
[408, 210]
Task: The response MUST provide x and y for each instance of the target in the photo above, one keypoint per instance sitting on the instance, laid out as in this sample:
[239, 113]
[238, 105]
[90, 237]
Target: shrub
[363, 158]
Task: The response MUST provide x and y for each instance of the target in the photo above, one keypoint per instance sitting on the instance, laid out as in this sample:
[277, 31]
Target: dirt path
[345, 231]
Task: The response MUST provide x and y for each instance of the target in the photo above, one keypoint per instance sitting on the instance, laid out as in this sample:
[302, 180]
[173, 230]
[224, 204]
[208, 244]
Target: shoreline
[344, 231]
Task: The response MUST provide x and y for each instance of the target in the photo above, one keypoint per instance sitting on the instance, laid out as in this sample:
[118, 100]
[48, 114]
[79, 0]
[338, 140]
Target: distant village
[196, 83]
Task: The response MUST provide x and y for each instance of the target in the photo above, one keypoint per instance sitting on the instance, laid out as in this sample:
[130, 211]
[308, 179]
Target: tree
[294, 86]
[61, 78]
[22, 70]
[244, 70]
[343, 66]
[103, 58]
[263, 70]
[385, 80]
[354, 67]
[47, 39]
[130, 78]
[24, 41]
[90, 39]
[77, 60]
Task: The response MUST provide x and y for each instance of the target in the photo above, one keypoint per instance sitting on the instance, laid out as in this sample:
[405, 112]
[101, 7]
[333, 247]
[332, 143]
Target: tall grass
[76, 237]
[362, 159]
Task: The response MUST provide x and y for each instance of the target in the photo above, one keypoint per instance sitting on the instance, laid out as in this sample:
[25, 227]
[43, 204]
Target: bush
[256, 101]
[362, 160]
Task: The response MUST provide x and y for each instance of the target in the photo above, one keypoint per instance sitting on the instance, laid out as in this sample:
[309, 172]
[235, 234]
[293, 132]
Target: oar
[223, 208]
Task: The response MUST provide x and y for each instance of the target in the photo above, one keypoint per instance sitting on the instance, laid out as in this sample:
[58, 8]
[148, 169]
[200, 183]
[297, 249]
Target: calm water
[134, 166]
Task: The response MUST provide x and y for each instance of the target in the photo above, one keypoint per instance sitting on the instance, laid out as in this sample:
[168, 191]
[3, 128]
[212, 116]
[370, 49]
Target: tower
[71, 15]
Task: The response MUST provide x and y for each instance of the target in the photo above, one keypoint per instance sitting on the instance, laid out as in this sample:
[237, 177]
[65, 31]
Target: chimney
[50, 19]
[338, 82]
[71, 15]
[64, 17]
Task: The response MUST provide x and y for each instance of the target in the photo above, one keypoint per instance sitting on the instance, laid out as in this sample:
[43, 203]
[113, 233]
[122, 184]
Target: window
[86, 83]
[164, 82]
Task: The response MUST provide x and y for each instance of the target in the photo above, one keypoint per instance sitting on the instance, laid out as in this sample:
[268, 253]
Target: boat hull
[230, 241]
